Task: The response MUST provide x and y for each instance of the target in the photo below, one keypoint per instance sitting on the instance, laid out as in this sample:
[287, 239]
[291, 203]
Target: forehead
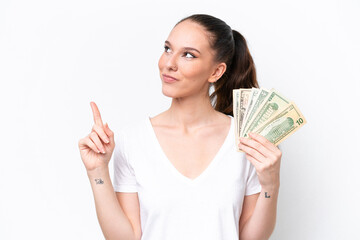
[189, 34]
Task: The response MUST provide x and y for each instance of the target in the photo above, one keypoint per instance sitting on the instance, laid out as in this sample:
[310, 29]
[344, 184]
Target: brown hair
[231, 48]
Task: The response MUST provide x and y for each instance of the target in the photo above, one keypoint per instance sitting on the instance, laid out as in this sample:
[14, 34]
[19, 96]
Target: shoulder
[224, 119]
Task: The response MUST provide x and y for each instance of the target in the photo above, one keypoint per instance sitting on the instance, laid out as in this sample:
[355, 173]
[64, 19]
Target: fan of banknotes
[265, 112]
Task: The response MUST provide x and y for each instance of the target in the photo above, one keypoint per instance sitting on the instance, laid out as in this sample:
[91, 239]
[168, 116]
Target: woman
[178, 175]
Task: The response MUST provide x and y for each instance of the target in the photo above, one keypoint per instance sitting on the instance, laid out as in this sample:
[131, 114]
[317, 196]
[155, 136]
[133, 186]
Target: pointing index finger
[96, 114]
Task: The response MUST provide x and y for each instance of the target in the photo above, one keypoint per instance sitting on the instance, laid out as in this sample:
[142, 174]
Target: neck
[191, 112]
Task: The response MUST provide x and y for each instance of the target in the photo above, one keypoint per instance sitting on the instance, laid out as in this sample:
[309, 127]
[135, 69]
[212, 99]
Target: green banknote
[285, 123]
[266, 112]
[236, 109]
[273, 104]
[241, 99]
[256, 102]
[253, 95]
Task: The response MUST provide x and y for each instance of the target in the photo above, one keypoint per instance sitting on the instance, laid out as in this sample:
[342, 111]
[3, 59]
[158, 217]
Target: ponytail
[240, 74]
[231, 48]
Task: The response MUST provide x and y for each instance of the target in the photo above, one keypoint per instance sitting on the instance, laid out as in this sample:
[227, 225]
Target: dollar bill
[236, 112]
[236, 108]
[285, 123]
[241, 101]
[255, 102]
[244, 103]
[273, 103]
[253, 95]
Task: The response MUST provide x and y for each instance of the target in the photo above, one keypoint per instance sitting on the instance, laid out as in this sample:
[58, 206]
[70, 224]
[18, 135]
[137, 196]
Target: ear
[218, 72]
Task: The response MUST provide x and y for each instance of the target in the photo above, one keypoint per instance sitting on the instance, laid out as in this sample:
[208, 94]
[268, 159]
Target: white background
[57, 56]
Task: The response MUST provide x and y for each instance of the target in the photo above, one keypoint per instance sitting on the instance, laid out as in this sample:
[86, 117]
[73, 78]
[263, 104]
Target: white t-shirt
[172, 206]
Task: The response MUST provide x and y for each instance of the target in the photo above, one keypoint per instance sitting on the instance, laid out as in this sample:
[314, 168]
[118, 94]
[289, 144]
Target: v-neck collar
[211, 165]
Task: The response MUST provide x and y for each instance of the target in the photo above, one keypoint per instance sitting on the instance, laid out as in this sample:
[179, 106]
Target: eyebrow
[186, 48]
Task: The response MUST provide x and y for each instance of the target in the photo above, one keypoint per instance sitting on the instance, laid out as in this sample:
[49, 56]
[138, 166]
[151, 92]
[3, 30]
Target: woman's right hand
[97, 147]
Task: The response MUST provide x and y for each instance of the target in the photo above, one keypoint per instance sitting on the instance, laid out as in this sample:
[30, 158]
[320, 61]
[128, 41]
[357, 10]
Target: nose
[171, 62]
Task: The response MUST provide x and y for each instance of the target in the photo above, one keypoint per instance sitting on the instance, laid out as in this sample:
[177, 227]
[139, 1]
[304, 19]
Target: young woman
[178, 175]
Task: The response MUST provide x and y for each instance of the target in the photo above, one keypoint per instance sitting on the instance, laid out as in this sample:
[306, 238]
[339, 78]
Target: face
[189, 58]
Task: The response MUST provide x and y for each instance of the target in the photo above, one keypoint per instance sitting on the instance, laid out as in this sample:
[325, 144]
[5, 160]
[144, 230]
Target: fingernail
[107, 140]
[103, 150]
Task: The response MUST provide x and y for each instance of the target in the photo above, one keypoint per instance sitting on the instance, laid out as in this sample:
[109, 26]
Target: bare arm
[96, 150]
[263, 219]
[113, 222]
[265, 157]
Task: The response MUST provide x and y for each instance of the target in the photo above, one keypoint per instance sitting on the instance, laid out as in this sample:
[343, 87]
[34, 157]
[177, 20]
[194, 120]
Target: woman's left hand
[265, 157]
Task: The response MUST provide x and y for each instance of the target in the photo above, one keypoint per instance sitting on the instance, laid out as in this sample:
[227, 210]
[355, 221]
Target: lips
[169, 77]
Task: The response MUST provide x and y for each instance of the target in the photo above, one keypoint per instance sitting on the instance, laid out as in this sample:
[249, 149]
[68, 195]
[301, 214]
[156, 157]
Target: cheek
[193, 71]
[193, 77]
[161, 61]
[190, 72]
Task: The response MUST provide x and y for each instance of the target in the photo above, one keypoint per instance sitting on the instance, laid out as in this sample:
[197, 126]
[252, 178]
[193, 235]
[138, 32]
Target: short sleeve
[252, 185]
[124, 177]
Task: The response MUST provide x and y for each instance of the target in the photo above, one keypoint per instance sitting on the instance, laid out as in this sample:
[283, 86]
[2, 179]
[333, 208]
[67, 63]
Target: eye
[185, 53]
[166, 47]
[192, 56]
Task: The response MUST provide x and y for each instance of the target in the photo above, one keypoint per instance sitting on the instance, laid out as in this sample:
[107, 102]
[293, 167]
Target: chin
[173, 92]
[168, 93]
